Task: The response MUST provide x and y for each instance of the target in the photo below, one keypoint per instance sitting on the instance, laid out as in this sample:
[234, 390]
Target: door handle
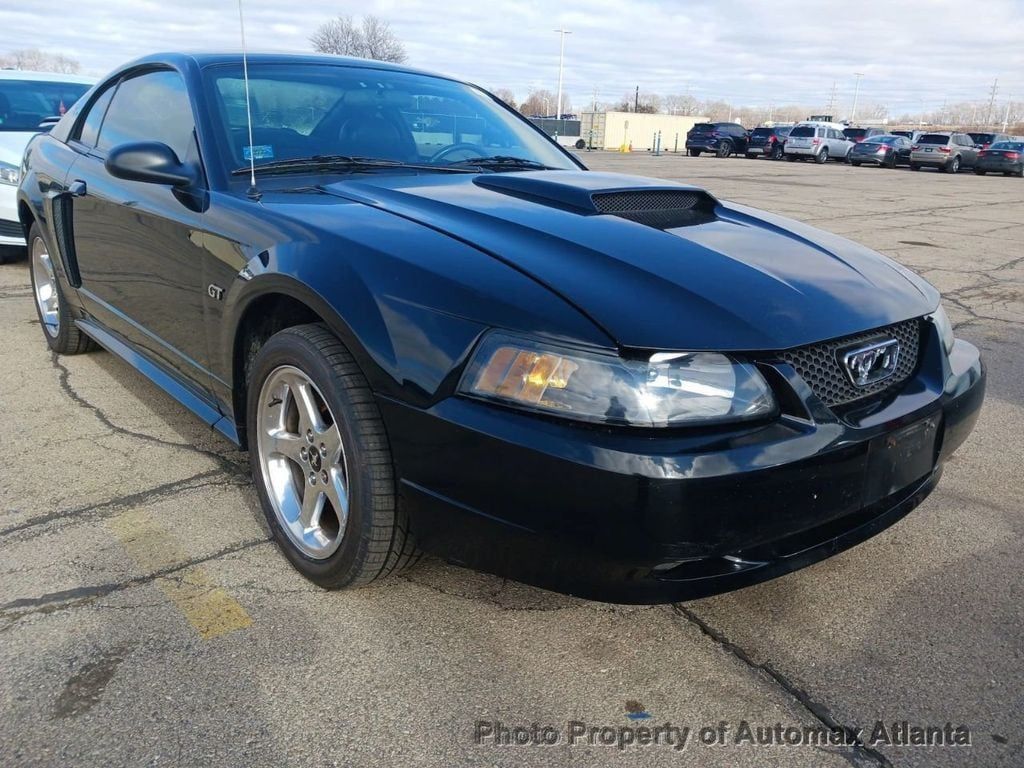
[77, 188]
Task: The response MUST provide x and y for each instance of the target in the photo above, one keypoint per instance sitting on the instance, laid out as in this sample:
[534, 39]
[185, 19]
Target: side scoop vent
[661, 209]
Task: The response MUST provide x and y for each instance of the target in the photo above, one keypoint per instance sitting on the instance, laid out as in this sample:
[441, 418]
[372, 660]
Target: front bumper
[623, 517]
[10, 228]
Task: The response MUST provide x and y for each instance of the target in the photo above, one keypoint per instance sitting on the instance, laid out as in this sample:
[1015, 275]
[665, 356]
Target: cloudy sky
[913, 55]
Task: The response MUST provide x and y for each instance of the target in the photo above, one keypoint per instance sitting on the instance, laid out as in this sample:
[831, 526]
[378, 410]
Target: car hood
[725, 277]
[12, 145]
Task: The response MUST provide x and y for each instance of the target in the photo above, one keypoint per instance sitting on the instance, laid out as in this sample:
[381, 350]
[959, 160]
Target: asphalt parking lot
[145, 619]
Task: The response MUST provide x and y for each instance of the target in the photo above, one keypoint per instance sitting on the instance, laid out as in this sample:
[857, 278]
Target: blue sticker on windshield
[258, 152]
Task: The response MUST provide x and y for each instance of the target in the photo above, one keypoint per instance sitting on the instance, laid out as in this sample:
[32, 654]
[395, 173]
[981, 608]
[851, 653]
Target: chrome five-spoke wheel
[303, 461]
[45, 284]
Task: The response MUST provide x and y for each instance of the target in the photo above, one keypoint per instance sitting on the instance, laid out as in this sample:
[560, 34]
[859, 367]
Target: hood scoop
[645, 201]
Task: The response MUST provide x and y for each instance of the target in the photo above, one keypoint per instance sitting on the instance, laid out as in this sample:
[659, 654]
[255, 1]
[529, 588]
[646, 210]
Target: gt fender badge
[215, 292]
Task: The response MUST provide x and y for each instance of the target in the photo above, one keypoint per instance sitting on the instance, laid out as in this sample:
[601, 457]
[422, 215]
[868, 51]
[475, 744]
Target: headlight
[945, 328]
[9, 174]
[674, 389]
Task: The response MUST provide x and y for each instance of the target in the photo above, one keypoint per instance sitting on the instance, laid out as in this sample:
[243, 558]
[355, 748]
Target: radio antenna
[253, 192]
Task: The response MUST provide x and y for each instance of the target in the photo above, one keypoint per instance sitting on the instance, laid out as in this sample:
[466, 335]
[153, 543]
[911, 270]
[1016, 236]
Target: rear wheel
[776, 152]
[891, 160]
[790, 158]
[915, 167]
[979, 172]
[855, 164]
[321, 461]
[725, 149]
[62, 335]
[953, 166]
[751, 156]
[822, 157]
[694, 153]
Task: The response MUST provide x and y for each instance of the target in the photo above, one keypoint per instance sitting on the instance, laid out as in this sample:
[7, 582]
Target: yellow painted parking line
[208, 607]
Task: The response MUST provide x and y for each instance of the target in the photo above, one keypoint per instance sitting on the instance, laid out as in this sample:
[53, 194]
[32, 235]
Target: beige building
[612, 130]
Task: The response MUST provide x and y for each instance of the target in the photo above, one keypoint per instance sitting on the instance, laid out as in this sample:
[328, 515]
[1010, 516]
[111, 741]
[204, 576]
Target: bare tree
[506, 95]
[380, 43]
[372, 39]
[36, 60]
[540, 103]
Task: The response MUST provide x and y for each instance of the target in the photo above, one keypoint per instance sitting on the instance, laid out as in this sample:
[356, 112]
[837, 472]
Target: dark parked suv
[857, 135]
[721, 138]
[768, 141]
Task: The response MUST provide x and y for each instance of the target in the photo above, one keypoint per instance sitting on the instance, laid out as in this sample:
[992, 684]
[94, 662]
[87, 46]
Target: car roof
[212, 58]
[48, 77]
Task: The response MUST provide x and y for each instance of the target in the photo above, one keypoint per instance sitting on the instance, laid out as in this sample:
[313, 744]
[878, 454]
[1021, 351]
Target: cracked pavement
[103, 663]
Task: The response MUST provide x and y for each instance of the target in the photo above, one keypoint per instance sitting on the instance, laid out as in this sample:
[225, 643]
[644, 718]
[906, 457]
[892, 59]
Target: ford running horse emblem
[876, 362]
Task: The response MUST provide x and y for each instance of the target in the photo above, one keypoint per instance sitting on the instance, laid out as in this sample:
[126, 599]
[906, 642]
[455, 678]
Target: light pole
[856, 93]
[561, 60]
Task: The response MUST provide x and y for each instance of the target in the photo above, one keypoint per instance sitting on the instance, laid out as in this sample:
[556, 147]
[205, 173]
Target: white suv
[26, 100]
[817, 141]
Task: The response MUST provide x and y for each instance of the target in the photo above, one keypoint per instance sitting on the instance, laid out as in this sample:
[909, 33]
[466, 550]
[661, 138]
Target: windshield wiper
[502, 161]
[336, 163]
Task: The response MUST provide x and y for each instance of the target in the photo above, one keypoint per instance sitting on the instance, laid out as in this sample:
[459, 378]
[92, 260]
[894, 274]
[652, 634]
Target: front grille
[662, 208]
[821, 365]
[10, 229]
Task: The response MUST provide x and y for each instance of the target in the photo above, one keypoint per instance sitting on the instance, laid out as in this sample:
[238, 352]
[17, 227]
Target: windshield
[304, 111]
[881, 140]
[26, 103]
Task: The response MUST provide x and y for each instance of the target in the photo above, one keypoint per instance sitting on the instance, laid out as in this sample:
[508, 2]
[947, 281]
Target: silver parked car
[949, 152]
[817, 141]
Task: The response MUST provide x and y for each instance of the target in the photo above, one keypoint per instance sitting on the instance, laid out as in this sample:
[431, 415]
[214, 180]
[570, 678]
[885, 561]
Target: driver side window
[150, 107]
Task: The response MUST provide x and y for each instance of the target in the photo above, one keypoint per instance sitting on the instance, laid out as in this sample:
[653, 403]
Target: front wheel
[822, 157]
[59, 329]
[321, 461]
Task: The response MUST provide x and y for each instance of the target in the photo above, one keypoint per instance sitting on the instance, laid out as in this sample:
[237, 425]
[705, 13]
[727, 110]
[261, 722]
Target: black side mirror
[150, 162]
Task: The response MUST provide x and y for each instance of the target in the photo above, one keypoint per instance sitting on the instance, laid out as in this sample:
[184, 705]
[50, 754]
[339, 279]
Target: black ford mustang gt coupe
[434, 330]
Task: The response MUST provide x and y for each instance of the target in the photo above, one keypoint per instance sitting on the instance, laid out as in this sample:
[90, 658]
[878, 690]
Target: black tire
[855, 165]
[376, 540]
[953, 166]
[789, 158]
[751, 156]
[694, 153]
[777, 152]
[891, 161]
[725, 148]
[580, 144]
[822, 157]
[68, 339]
[979, 172]
[1020, 172]
[915, 167]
